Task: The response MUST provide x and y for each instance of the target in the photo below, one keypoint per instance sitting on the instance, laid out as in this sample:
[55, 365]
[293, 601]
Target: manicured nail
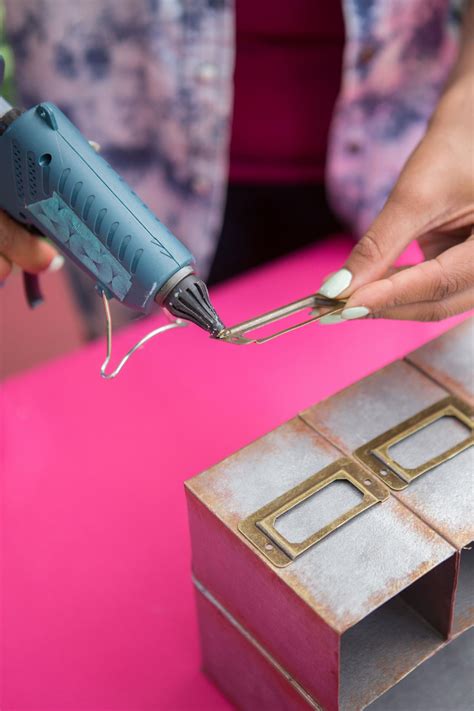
[56, 263]
[336, 284]
[330, 319]
[354, 312]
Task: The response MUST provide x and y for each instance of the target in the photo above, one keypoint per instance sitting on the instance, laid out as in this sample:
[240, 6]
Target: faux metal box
[251, 679]
[334, 571]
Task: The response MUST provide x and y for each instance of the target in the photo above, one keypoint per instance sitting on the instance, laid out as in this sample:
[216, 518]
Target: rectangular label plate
[259, 528]
[376, 455]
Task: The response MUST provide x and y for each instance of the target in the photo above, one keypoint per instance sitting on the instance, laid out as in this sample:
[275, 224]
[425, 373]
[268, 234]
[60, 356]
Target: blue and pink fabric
[152, 82]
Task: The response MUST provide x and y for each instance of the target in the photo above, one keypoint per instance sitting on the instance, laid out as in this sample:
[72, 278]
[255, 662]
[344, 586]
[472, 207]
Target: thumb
[396, 226]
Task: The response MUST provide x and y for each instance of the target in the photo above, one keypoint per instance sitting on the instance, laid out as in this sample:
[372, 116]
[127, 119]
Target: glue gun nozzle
[189, 300]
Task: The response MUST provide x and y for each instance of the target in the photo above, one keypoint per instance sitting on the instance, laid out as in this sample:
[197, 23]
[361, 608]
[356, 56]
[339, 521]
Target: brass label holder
[373, 465]
[259, 528]
[376, 454]
[238, 335]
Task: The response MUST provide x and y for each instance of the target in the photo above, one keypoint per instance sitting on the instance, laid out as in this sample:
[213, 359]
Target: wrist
[456, 104]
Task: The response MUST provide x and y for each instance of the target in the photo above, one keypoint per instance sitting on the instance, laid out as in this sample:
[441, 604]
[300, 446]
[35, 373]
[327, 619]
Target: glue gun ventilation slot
[189, 299]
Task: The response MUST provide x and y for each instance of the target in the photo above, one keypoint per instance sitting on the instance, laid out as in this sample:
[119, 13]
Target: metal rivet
[268, 547]
[383, 472]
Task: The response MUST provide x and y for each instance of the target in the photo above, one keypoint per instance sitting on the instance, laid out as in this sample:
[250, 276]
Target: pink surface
[98, 606]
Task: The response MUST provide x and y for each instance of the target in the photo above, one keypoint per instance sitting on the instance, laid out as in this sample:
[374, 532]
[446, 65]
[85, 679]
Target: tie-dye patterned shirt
[151, 81]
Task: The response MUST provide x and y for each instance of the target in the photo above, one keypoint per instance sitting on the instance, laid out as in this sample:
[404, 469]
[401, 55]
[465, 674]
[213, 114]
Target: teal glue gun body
[51, 179]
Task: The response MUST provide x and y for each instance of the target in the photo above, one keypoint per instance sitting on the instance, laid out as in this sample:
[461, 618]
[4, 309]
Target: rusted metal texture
[444, 496]
[301, 611]
[449, 360]
[381, 551]
[346, 605]
[464, 607]
[251, 678]
[373, 406]
[443, 683]
[432, 595]
[284, 529]
[381, 650]
[273, 610]
[241, 667]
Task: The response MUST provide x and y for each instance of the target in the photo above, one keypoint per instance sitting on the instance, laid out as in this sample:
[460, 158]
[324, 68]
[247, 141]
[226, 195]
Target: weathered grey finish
[443, 497]
[339, 582]
[443, 683]
[449, 360]
[372, 406]
[252, 679]
[353, 614]
[464, 607]
[379, 553]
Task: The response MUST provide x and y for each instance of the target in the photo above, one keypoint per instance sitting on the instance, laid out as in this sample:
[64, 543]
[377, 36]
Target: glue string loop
[108, 321]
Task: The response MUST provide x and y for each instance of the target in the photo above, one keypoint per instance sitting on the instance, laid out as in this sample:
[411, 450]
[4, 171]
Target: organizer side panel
[378, 652]
[273, 613]
[464, 606]
[237, 667]
[433, 595]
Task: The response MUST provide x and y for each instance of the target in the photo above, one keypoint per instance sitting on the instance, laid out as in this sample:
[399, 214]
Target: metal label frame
[238, 335]
[376, 454]
[259, 527]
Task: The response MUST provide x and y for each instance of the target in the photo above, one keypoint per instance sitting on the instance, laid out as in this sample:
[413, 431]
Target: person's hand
[20, 247]
[432, 202]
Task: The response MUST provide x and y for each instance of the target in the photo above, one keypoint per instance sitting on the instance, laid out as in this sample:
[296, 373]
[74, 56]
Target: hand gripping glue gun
[54, 182]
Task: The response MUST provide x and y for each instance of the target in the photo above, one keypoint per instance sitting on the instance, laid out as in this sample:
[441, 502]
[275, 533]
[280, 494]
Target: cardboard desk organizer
[332, 556]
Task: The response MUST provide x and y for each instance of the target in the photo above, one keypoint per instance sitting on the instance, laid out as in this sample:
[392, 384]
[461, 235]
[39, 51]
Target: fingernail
[56, 263]
[330, 319]
[336, 284]
[354, 312]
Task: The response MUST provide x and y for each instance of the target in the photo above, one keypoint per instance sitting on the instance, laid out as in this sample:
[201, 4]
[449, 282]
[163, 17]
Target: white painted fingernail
[336, 284]
[56, 263]
[330, 319]
[354, 312]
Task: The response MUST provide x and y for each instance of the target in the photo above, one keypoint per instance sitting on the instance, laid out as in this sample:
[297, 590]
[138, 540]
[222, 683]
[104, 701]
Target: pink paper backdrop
[97, 598]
